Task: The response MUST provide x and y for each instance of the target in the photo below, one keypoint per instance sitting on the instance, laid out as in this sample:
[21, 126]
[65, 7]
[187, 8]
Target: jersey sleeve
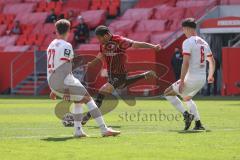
[186, 47]
[68, 53]
[208, 51]
[125, 43]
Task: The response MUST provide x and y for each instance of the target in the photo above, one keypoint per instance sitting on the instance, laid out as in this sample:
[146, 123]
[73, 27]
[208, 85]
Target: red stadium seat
[105, 5]
[140, 36]
[39, 39]
[233, 2]
[94, 40]
[71, 37]
[93, 21]
[96, 4]
[48, 28]
[16, 48]
[18, 8]
[1, 7]
[8, 40]
[33, 18]
[88, 47]
[187, 3]
[195, 12]
[176, 24]
[50, 6]
[150, 3]
[10, 1]
[151, 26]
[27, 28]
[125, 26]
[170, 13]
[138, 14]
[58, 7]
[80, 5]
[159, 38]
[113, 10]
[37, 28]
[22, 40]
[42, 6]
[31, 39]
[2, 18]
[48, 40]
[116, 2]
[120, 33]
[9, 18]
[2, 29]
[32, 0]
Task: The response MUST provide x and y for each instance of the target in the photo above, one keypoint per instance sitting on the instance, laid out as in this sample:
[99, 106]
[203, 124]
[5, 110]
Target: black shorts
[117, 80]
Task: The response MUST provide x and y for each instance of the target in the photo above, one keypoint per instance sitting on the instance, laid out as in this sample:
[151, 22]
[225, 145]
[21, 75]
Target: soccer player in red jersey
[113, 51]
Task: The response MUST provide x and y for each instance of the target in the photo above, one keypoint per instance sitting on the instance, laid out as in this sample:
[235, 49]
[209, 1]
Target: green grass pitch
[29, 130]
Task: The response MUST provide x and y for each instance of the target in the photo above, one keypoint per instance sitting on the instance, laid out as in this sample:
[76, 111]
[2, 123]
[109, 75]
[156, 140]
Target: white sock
[96, 114]
[176, 102]
[193, 109]
[78, 111]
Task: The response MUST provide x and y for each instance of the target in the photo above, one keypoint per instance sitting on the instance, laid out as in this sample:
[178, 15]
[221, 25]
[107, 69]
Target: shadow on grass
[57, 139]
[96, 127]
[61, 139]
[189, 131]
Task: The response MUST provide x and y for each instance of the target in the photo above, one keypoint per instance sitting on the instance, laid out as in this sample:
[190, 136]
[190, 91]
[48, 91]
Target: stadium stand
[93, 21]
[138, 14]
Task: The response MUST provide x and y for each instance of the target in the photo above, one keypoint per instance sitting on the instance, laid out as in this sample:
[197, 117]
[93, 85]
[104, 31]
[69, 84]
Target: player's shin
[99, 100]
[177, 103]
[78, 114]
[97, 115]
[193, 109]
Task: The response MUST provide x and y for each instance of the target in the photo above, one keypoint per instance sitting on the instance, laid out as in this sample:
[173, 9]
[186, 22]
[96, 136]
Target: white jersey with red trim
[58, 53]
[198, 50]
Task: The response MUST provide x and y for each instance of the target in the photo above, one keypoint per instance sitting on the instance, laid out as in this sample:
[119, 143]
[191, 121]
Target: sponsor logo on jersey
[67, 52]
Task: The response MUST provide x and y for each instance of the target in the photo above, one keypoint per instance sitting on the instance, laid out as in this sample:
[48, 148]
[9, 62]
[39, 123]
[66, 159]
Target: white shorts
[76, 90]
[192, 85]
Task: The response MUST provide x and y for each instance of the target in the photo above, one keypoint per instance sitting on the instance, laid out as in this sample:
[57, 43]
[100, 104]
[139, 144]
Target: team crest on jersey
[67, 52]
[111, 46]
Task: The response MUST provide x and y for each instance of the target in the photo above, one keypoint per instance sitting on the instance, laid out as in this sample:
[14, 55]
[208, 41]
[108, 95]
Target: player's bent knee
[106, 89]
[87, 98]
[187, 98]
[169, 92]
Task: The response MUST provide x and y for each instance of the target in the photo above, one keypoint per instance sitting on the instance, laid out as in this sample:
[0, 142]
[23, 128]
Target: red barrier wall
[230, 70]
[5, 70]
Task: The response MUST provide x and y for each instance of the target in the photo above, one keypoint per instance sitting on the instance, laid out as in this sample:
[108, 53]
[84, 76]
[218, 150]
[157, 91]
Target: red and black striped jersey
[114, 52]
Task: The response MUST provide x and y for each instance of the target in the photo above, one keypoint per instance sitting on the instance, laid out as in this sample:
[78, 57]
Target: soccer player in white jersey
[196, 52]
[60, 53]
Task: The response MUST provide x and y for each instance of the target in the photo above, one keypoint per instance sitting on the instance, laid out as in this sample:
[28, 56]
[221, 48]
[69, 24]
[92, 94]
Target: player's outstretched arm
[184, 70]
[96, 60]
[211, 61]
[137, 44]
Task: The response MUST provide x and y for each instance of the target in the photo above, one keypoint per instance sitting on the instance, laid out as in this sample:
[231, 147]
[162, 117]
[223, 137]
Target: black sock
[198, 123]
[99, 100]
[132, 79]
[185, 113]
